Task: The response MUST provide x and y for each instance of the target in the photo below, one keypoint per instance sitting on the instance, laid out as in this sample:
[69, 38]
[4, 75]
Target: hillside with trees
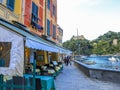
[108, 43]
[79, 46]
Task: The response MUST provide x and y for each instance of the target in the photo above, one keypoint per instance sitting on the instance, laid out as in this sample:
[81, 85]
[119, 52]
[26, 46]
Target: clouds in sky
[91, 17]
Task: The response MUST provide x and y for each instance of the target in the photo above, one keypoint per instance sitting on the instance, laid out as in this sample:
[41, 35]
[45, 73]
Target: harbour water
[102, 62]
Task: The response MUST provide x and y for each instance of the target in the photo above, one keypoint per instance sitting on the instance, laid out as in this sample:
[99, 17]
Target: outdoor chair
[28, 70]
[2, 62]
[46, 65]
[38, 85]
[8, 82]
[17, 80]
[57, 66]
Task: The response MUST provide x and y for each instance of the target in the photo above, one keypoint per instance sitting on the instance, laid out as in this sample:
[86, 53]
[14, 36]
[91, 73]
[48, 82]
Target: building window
[48, 4]
[10, 4]
[57, 38]
[54, 31]
[60, 41]
[34, 16]
[1, 1]
[54, 10]
[48, 27]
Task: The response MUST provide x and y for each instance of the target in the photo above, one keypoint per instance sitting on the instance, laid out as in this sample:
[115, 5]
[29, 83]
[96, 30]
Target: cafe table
[46, 81]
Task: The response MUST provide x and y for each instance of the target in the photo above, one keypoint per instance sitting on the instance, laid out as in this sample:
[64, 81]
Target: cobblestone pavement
[71, 78]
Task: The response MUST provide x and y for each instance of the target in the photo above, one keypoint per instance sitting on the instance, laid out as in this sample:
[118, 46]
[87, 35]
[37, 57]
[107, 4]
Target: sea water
[102, 62]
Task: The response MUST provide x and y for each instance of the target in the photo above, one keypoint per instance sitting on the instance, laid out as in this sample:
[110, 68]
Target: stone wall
[101, 74]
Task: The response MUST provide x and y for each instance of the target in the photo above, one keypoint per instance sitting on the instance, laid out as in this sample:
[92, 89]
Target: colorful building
[11, 10]
[34, 16]
[59, 35]
[51, 19]
[40, 17]
[28, 32]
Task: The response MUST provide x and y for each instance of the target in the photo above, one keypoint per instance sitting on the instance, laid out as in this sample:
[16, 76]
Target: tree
[103, 45]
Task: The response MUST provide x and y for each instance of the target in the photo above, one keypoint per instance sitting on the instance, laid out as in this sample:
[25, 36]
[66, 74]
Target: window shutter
[48, 4]
[10, 4]
[54, 31]
[34, 13]
[48, 27]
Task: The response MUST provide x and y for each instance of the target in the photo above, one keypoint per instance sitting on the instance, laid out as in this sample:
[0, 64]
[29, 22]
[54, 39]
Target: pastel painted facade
[11, 10]
[34, 16]
[59, 35]
[51, 19]
[40, 16]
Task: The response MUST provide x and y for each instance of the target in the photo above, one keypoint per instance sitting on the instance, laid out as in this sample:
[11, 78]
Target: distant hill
[108, 43]
[109, 36]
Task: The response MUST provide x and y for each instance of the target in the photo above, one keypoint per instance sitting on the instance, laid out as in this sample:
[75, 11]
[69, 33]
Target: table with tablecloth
[46, 81]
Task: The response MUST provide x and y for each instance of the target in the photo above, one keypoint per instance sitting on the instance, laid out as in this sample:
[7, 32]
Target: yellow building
[11, 10]
[47, 13]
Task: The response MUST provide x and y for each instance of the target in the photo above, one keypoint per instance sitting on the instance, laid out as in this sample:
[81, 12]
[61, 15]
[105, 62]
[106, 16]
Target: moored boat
[113, 59]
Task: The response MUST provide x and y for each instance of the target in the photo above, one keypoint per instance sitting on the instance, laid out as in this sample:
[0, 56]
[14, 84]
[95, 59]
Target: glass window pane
[10, 4]
[1, 1]
[5, 48]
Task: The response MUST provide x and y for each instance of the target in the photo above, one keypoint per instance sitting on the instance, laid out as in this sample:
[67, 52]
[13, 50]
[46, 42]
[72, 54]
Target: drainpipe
[45, 28]
[23, 11]
[34, 72]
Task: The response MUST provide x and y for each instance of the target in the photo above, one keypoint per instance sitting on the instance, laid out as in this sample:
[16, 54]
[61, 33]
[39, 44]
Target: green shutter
[48, 27]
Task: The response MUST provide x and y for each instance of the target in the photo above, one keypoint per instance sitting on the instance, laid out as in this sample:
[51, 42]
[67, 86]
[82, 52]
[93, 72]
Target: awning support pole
[34, 73]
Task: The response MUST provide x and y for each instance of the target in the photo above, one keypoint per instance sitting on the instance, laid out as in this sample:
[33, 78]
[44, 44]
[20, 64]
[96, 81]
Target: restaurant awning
[19, 38]
[33, 41]
[37, 45]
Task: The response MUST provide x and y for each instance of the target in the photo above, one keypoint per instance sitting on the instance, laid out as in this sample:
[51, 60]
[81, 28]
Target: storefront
[19, 47]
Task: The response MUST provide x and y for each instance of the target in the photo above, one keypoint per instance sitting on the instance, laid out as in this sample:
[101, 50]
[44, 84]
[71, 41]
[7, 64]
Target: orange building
[33, 15]
[41, 18]
[51, 19]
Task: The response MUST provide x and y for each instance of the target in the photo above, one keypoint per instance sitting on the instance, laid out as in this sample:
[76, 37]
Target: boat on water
[83, 57]
[113, 59]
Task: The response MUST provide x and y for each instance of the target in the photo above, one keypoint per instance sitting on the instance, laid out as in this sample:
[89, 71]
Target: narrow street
[71, 78]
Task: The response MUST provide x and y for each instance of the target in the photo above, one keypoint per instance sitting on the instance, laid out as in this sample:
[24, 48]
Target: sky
[91, 18]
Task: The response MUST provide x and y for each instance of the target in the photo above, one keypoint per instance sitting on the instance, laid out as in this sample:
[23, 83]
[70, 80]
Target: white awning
[41, 46]
[32, 41]
[16, 64]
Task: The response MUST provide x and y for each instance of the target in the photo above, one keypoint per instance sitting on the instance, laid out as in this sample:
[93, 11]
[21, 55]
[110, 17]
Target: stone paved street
[71, 78]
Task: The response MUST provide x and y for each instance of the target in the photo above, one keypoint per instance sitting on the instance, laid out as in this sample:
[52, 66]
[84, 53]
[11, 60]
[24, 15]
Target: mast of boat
[78, 43]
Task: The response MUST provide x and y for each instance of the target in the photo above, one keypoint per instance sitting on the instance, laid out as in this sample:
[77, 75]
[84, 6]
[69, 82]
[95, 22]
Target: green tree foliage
[103, 45]
[80, 46]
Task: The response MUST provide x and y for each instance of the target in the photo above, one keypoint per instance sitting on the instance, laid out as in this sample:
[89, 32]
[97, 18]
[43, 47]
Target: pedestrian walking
[68, 60]
[65, 60]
